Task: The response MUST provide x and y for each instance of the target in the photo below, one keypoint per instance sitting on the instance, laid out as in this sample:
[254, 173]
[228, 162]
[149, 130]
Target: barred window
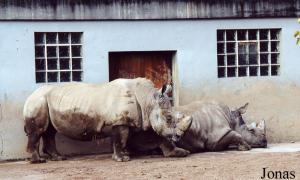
[58, 56]
[248, 52]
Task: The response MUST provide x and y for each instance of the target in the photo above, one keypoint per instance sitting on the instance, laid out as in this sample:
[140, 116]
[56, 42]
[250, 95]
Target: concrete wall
[277, 99]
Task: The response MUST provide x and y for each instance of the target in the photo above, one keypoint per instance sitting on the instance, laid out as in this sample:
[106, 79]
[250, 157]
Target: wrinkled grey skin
[215, 127]
[86, 111]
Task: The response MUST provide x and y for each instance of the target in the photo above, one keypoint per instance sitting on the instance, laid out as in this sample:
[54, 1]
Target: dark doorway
[154, 65]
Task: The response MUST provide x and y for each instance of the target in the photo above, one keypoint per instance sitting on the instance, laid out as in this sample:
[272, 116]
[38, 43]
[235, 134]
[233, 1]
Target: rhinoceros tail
[25, 130]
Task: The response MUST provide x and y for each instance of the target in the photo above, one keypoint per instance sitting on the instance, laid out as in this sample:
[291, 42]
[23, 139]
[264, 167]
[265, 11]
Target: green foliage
[297, 34]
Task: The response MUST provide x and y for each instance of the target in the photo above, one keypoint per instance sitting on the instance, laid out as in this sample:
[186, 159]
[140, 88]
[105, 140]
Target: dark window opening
[242, 71]
[64, 51]
[221, 72]
[40, 64]
[51, 51]
[230, 35]
[40, 77]
[241, 35]
[52, 64]
[264, 70]
[63, 38]
[274, 70]
[76, 75]
[51, 38]
[64, 63]
[39, 51]
[231, 72]
[52, 76]
[253, 71]
[65, 76]
[220, 48]
[221, 60]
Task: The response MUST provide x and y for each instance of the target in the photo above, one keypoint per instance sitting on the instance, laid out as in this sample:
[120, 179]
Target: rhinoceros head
[255, 133]
[166, 122]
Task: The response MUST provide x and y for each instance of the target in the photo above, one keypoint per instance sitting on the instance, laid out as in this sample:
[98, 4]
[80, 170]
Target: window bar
[237, 54]
[70, 56]
[258, 45]
[46, 58]
[225, 54]
[57, 57]
[269, 52]
[248, 56]
[279, 50]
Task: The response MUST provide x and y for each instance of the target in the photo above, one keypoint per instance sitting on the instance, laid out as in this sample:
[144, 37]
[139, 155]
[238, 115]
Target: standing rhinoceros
[82, 111]
[214, 128]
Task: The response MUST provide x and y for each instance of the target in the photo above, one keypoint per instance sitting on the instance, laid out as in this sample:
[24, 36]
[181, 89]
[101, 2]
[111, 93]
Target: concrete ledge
[145, 9]
[282, 147]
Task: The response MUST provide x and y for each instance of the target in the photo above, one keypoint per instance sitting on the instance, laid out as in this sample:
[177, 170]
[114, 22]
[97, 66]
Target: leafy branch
[297, 34]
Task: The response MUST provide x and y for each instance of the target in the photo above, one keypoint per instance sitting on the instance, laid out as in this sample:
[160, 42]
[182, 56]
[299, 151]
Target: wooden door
[156, 66]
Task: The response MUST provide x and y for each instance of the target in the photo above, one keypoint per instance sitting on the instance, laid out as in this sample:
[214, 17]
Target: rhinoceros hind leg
[120, 137]
[49, 145]
[33, 148]
[33, 133]
[170, 150]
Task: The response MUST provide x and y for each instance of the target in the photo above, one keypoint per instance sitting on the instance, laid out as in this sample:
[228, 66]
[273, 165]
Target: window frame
[57, 45]
[273, 69]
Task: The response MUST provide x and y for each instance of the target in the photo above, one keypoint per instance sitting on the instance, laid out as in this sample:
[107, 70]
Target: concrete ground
[209, 165]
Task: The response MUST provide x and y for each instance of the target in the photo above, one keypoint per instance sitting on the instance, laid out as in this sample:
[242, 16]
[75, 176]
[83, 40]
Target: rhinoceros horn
[252, 125]
[185, 123]
[262, 125]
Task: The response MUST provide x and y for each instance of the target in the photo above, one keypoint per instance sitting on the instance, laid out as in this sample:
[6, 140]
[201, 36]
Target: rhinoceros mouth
[261, 145]
[174, 138]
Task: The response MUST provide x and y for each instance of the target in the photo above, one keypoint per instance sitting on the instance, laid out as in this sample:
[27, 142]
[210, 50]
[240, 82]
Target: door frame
[174, 70]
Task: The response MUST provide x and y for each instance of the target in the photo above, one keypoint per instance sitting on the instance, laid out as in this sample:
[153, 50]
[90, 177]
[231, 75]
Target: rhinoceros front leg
[120, 137]
[232, 138]
[170, 150]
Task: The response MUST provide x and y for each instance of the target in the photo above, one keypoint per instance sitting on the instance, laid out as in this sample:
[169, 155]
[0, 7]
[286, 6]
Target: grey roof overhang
[145, 9]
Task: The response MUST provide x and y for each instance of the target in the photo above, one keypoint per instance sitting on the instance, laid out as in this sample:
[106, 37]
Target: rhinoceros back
[210, 124]
[80, 109]
[86, 108]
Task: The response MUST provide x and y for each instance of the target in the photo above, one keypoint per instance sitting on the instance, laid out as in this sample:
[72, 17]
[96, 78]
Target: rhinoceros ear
[243, 109]
[166, 88]
[163, 89]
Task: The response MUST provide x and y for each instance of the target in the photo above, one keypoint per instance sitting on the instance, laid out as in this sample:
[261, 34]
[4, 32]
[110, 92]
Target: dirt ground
[209, 165]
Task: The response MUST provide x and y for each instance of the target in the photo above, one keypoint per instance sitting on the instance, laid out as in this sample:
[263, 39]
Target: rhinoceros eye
[252, 131]
[169, 118]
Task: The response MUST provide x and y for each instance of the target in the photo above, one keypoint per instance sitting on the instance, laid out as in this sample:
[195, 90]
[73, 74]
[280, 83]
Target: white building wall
[277, 99]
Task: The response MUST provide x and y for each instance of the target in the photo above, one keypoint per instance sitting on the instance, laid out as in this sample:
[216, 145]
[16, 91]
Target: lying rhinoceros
[82, 111]
[214, 128]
